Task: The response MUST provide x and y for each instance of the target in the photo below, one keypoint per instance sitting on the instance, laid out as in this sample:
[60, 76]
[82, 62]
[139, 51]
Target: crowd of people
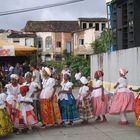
[29, 95]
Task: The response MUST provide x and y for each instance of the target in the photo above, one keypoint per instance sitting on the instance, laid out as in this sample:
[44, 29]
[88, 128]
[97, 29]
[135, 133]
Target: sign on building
[7, 51]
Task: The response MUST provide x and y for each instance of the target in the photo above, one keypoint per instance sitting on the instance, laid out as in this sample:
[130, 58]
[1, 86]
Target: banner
[7, 51]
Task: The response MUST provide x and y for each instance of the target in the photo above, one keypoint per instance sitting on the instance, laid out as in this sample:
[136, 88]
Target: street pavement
[92, 131]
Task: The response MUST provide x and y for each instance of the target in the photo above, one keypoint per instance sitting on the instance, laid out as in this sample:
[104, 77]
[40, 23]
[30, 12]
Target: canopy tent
[19, 49]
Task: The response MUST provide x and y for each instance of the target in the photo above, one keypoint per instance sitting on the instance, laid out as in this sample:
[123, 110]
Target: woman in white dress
[50, 113]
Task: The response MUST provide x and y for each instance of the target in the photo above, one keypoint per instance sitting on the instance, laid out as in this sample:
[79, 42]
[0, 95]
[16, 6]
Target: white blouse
[48, 88]
[48, 83]
[83, 91]
[98, 92]
[66, 87]
[12, 92]
[123, 83]
[24, 106]
[78, 76]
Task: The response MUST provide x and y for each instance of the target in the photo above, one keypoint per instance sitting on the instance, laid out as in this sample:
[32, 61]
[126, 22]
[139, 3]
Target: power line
[38, 7]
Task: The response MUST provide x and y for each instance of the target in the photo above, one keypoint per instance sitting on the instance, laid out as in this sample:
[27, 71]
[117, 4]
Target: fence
[112, 62]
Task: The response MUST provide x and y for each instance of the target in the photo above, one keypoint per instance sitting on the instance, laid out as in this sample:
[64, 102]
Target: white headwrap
[68, 73]
[47, 70]
[28, 74]
[123, 71]
[83, 80]
[14, 76]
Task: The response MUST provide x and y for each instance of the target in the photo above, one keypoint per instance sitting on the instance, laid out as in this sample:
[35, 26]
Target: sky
[87, 8]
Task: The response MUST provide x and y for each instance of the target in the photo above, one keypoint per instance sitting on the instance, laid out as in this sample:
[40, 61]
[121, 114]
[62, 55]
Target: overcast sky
[88, 8]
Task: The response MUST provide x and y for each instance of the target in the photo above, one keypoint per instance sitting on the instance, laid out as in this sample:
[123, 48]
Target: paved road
[92, 131]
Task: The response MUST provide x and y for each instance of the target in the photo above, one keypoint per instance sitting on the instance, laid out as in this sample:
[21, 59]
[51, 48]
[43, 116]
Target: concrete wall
[112, 62]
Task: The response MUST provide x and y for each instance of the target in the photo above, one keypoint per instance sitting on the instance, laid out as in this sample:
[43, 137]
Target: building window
[68, 47]
[96, 26]
[58, 57]
[103, 26]
[84, 25]
[49, 42]
[90, 25]
[81, 42]
[39, 42]
[16, 40]
[58, 44]
[47, 57]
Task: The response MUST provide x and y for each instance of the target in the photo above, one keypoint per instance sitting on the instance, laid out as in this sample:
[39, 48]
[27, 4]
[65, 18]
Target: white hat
[28, 74]
[47, 70]
[14, 76]
[68, 73]
[84, 80]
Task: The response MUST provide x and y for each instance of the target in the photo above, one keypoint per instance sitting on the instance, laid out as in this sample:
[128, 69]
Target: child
[99, 98]
[67, 102]
[77, 76]
[123, 100]
[34, 92]
[137, 108]
[83, 101]
[25, 116]
[12, 90]
[50, 113]
[6, 127]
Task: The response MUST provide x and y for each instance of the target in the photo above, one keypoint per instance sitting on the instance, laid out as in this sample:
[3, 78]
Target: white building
[90, 30]
[22, 38]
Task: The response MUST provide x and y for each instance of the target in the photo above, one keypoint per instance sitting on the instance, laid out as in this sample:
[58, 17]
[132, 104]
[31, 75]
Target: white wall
[43, 35]
[29, 41]
[89, 37]
[112, 62]
[3, 36]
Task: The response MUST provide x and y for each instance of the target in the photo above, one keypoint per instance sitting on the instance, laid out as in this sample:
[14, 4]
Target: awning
[19, 49]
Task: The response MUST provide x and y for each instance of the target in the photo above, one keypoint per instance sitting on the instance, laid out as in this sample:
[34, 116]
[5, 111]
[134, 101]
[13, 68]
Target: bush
[81, 63]
[58, 65]
[74, 63]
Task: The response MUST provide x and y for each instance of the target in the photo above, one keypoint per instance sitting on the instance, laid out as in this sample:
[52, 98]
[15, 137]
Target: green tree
[81, 63]
[103, 43]
[66, 54]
